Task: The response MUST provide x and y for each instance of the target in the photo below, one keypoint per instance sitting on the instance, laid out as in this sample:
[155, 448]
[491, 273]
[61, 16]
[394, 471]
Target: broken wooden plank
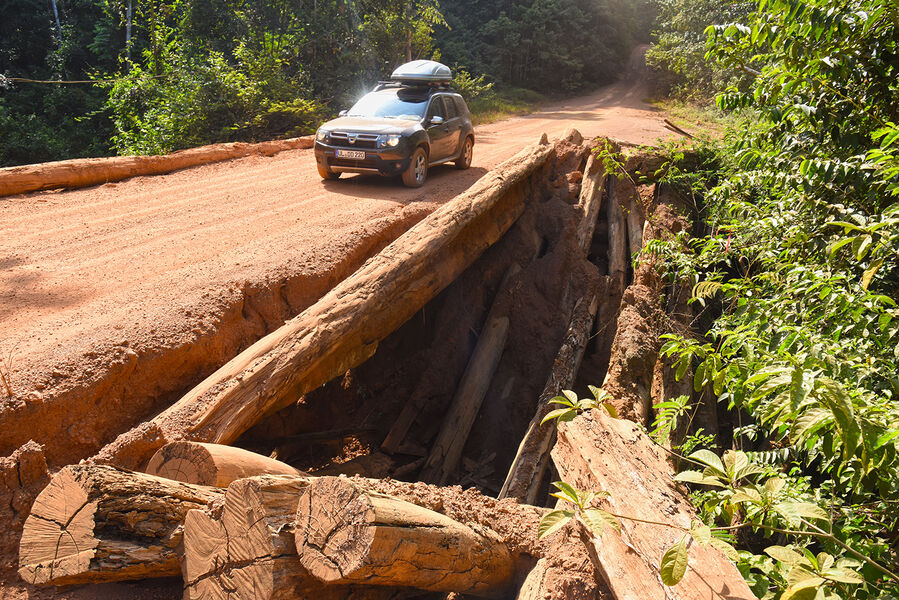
[593, 188]
[345, 534]
[213, 464]
[599, 453]
[95, 523]
[344, 327]
[466, 403]
[531, 459]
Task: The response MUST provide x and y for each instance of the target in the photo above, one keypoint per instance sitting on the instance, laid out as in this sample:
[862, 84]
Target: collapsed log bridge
[342, 329]
[278, 533]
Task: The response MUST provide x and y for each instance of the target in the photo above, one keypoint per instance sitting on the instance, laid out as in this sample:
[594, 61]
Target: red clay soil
[115, 299]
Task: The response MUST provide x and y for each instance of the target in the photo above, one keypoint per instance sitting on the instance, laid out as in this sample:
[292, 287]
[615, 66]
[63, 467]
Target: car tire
[464, 160]
[417, 171]
[326, 173]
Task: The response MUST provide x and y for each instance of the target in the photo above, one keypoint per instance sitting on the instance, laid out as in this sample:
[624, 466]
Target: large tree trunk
[98, 523]
[593, 187]
[447, 450]
[342, 329]
[618, 246]
[346, 534]
[598, 452]
[530, 462]
[213, 464]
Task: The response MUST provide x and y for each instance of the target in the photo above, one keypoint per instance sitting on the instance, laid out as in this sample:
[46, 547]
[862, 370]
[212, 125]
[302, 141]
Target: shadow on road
[445, 178]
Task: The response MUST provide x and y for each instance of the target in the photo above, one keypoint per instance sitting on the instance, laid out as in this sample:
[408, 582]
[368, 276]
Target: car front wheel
[417, 171]
[464, 160]
[326, 173]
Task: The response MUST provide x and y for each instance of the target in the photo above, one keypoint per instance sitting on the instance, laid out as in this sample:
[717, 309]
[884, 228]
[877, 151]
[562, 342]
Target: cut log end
[58, 541]
[339, 535]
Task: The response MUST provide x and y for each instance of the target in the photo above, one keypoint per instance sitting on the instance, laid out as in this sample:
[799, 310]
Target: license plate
[351, 154]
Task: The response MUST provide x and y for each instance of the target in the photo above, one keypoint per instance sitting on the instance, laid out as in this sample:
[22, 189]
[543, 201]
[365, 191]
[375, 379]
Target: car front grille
[363, 140]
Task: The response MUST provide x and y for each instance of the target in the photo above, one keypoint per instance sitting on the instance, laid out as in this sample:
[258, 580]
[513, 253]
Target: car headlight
[391, 140]
[321, 135]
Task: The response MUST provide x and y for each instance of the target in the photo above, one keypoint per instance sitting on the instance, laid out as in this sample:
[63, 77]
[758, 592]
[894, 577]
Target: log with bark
[618, 246]
[597, 452]
[344, 327]
[346, 534]
[593, 188]
[466, 403]
[530, 462]
[213, 464]
[95, 523]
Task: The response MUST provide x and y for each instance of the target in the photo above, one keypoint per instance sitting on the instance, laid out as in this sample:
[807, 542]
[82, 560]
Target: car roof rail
[429, 86]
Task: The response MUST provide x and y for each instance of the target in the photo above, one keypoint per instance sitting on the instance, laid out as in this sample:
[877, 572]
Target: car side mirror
[436, 120]
[342, 113]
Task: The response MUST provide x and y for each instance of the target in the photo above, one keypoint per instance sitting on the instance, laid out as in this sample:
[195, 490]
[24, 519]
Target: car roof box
[422, 72]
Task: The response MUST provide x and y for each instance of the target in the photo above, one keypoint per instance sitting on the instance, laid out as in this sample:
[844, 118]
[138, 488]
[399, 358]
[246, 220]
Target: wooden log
[618, 247]
[447, 449]
[344, 327]
[213, 464]
[82, 172]
[97, 523]
[598, 452]
[347, 534]
[629, 199]
[530, 462]
[593, 187]
[248, 552]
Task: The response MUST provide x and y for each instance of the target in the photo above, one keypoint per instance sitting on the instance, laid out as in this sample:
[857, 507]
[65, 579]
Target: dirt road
[116, 299]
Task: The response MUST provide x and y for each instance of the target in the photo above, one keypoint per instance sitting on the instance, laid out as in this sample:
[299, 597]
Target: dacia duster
[402, 127]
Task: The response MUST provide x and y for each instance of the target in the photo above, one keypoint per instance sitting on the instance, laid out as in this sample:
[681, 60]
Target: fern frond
[705, 289]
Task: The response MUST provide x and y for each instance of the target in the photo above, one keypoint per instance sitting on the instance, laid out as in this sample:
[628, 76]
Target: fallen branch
[213, 464]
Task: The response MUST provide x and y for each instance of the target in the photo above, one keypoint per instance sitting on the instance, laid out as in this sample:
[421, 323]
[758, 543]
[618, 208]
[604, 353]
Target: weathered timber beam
[95, 523]
[466, 403]
[598, 452]
[346, 534]
[530, 462]
[213, 464]
[344, 327]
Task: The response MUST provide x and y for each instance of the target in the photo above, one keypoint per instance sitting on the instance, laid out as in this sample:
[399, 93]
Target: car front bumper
[384, 161]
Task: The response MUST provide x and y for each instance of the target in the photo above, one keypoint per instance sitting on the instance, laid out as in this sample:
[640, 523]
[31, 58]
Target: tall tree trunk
[58, 24]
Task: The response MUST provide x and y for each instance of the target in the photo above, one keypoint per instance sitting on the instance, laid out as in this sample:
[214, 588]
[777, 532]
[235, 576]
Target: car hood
[369, 125]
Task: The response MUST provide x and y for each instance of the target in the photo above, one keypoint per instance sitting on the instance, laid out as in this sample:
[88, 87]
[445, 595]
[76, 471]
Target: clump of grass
[502, 103]
[701, 120]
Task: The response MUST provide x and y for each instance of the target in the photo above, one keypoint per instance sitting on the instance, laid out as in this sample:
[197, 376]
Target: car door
[454, 124]
[439, 133]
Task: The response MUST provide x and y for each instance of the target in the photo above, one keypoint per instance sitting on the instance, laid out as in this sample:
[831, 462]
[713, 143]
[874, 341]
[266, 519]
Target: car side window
[436, 108]
[451, 112]
[460, 105]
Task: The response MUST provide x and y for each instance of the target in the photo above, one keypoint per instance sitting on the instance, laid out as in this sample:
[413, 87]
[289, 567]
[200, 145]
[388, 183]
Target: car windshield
[390, 106]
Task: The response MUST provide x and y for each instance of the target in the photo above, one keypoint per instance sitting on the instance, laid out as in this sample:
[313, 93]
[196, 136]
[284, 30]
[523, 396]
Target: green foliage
[595, 519]
[677, 63]
[572, 406]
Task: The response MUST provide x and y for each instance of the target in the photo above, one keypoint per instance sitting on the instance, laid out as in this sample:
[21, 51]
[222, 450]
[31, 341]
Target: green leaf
[572, 397]
[793, 510]
[885, 439]
[746, 494]
[698, 478]
[707, 457]
[553, 521]
[843, 575]
[596, 519]
[557, 414]
[674, 563]
[800, 577]
[807, 593]
[702, 533]
[610, 408]
[729, 551]
[783, 554]
[567, 492]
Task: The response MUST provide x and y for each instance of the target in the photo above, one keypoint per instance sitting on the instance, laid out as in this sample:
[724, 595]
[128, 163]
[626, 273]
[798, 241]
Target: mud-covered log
[344, 327]
[598, 452]
[213, 464]
[593, 187]
[532, 458]
[347, 534]
[95, 523]
[618, 246]
[466, 403]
